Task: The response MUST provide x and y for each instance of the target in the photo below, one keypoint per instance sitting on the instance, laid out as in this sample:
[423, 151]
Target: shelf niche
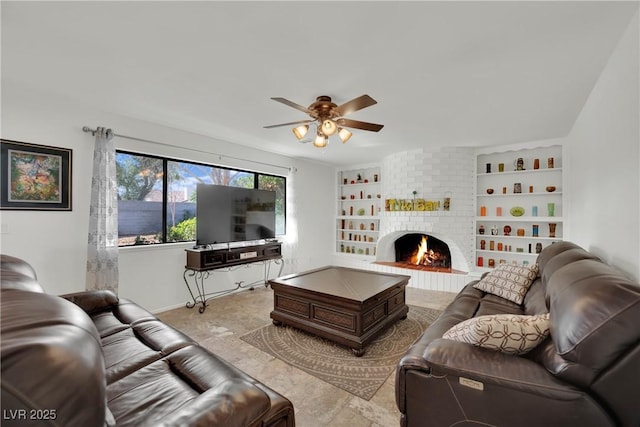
[502, 183]
[358, 209]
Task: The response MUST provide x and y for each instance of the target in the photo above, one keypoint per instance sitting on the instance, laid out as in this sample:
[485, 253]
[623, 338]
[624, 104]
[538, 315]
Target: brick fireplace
[428, 174]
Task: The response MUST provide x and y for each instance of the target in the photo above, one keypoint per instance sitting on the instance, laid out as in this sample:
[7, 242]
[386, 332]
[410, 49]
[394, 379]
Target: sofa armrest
[93, 301]
[465, 385]
[446, 357]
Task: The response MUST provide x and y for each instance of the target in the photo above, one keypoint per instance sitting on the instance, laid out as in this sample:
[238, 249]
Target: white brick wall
[431, 173]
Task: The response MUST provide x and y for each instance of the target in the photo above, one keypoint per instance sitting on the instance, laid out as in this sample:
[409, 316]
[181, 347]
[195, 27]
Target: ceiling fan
[329, 118]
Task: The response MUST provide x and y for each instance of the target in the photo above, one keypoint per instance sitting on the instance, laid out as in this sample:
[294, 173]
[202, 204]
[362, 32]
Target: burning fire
[424, 255]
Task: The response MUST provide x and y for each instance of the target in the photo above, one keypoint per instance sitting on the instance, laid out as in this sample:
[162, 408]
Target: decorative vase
[517, 188]
[552, 229]
[519, 164]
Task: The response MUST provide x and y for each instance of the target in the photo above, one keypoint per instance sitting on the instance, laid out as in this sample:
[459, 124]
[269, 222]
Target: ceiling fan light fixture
[300, 131]
[329, 127]
[320, 141]
[328, 119]
[344, 135]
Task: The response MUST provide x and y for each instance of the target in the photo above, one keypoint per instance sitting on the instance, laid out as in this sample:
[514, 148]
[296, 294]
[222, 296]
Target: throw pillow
[509, 281]
[507, 333]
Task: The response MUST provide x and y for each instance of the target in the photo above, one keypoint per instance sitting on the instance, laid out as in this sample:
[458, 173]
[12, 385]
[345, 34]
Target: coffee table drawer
[396, 301]
[334, 318]
[372, 317]
[293, 306]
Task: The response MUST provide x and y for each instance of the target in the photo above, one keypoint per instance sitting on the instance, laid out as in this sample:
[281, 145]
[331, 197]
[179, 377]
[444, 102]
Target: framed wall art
[34, 177]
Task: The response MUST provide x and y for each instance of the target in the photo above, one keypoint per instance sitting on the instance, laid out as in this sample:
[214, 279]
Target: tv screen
[233, 214]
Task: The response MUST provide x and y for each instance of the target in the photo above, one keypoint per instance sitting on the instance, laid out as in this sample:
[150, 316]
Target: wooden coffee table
[345, 305]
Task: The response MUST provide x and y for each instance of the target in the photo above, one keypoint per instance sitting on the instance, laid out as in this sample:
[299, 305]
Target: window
[157, 196]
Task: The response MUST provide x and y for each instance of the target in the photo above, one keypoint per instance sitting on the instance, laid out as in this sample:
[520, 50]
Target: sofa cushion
[596, 313]
[507, 333]
[510, 282]
[197, 389]
[139, 345]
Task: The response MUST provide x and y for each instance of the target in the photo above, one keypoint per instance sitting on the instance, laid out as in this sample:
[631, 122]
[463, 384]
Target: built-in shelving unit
[519, 201]
[357, 219]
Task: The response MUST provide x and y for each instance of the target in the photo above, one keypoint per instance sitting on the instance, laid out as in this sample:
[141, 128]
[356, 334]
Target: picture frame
[34, 177]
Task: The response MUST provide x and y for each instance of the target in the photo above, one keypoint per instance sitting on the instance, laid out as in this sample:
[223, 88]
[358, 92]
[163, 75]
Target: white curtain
[102, 251]
[290, 246]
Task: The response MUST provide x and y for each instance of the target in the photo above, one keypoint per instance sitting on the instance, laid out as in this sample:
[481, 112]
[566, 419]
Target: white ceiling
[443, 73]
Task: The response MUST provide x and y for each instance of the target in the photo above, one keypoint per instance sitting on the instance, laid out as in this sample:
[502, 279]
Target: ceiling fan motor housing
[323, 108]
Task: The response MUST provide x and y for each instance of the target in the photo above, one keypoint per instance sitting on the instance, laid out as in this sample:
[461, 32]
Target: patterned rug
[337, 365]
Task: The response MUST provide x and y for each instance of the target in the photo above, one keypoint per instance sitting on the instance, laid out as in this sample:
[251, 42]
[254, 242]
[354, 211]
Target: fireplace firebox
[421, 250]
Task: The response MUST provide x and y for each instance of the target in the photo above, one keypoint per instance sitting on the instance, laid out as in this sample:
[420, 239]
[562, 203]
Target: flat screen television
[233, 214]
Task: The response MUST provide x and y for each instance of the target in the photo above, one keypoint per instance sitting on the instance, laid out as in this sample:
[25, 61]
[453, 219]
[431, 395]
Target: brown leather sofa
[586, 373]
[92, 359]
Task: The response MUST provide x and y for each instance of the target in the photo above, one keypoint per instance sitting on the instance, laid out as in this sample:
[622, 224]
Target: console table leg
[200, 297]
[358, 352]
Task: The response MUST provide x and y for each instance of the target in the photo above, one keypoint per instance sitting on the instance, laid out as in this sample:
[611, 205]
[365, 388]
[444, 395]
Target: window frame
[165, 185]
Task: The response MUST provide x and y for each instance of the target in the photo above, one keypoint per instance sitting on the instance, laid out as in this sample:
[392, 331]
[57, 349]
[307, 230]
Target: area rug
[337, 365]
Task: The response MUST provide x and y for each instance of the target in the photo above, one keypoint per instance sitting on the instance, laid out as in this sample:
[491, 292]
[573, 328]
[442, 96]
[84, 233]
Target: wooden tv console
[211, 259]
[203, 261]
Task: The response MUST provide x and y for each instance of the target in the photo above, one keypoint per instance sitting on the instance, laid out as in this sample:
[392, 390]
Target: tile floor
[316, 403]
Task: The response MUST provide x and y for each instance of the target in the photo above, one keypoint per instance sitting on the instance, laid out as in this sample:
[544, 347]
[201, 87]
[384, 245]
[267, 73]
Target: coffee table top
[348, 283]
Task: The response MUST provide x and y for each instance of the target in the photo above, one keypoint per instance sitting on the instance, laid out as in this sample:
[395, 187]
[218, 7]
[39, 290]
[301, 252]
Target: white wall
[55, 242]
[603, 157]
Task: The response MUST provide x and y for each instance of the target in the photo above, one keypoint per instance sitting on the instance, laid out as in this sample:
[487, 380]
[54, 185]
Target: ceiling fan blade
[292, 104]
[359, 125]
[289, 124]
[355, 104]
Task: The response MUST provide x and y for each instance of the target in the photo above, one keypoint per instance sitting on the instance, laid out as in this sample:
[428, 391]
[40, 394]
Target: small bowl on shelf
[489, 190]
[551, 188]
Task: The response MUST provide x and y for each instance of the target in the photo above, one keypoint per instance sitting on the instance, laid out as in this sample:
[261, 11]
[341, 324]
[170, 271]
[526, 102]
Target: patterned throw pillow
[509, 281]
[508, 333]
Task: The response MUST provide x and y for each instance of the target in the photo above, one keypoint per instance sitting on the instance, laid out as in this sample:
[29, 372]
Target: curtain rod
[93, 132]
